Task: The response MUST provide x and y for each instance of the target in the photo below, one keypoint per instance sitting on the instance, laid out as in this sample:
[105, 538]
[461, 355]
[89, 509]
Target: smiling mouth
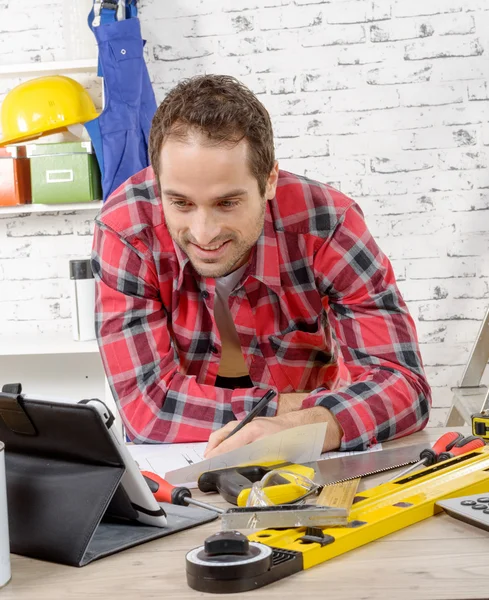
[213, 251]
[212, 248]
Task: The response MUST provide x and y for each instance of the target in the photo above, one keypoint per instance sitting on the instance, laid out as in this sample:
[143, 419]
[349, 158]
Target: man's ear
[272, 182]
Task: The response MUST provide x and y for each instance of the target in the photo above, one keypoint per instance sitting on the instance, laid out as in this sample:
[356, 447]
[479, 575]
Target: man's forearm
[290, 411]
[290, 402]
[317, 414]
[385, 405]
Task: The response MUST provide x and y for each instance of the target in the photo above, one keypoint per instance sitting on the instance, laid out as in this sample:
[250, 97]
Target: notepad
[183, 463]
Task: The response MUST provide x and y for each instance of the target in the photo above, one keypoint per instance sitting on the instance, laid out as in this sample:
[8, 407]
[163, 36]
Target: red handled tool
[166, 492]
[443, 449]
[466, 444]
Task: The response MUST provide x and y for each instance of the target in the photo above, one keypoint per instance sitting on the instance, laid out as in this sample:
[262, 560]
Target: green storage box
[64, 173]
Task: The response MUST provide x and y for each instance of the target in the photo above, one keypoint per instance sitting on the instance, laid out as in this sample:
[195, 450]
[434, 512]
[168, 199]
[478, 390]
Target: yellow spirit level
[229, 562]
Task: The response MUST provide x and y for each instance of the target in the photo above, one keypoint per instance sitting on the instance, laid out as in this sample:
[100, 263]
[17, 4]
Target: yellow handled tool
[234, 484]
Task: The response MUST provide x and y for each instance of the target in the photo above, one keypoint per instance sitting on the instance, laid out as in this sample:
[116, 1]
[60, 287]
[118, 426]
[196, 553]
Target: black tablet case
[63, 471]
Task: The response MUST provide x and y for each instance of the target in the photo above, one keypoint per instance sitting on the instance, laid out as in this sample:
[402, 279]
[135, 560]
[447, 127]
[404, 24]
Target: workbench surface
[439, 558]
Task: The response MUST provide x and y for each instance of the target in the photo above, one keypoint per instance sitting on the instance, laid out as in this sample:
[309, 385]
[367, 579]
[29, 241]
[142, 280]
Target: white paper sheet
[173, 456]
[335, 454]
[183, 463]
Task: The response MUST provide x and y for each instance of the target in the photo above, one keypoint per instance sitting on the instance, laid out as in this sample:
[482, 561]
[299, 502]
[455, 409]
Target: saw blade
[343, 468]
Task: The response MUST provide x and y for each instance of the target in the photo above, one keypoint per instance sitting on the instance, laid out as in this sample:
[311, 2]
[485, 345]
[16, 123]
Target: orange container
[15, 176]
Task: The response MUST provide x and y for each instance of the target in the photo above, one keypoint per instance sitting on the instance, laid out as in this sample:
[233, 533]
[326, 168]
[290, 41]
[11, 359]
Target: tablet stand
[64, 497]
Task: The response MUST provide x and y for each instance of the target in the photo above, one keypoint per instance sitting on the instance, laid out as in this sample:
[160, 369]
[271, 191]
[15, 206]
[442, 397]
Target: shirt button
[214, 350]
[205, 294]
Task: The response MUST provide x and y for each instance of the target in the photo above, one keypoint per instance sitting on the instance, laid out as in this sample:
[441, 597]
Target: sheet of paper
[175, 456]
[374, 448]
[177, 464]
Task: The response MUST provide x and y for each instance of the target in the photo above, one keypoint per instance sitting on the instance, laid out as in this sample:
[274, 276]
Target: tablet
[146, 508]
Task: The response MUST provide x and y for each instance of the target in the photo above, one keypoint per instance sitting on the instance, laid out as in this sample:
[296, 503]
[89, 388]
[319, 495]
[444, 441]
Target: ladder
[470, 396]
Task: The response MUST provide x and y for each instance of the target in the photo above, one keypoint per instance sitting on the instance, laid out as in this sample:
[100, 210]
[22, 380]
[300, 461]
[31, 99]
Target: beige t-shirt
[232, 362]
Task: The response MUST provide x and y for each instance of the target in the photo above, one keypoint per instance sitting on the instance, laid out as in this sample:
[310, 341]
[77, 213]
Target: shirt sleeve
[157, 403]
[387, 395]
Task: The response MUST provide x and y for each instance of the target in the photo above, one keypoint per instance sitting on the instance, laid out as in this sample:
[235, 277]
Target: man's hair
[222, 110]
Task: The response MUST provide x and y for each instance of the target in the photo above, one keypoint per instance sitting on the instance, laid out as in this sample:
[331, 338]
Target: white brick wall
[386, 99]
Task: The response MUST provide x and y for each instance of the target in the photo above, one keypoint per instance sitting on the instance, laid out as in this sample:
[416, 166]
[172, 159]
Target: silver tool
[289, 515]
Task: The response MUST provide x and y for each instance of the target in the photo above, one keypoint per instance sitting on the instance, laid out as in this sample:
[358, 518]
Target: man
[219, 277]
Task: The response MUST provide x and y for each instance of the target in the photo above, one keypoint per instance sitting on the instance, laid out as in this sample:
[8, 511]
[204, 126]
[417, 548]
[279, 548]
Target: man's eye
[179, 203]
[229, 203]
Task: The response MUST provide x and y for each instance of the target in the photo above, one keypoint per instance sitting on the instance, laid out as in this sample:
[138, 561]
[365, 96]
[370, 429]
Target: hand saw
[234, 483]
[246, 563]
[343, 468]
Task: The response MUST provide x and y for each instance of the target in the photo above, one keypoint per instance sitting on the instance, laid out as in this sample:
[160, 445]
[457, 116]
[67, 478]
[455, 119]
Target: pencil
[253, 413]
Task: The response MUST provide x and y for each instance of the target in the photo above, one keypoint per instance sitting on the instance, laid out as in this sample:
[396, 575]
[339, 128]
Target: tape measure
[236, 563]
[480, 424]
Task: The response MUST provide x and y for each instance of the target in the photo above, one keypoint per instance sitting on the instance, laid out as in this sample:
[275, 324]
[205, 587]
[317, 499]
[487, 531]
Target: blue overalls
[120, 133]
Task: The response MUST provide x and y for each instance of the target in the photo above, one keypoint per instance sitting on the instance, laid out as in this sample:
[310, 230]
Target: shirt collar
[264, 264]
[183, 261]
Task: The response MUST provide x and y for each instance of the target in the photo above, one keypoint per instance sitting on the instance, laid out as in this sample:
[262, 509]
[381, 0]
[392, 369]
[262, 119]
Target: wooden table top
[439, 558]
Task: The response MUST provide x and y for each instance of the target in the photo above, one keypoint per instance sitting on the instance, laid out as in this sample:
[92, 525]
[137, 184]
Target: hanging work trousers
[120, 133]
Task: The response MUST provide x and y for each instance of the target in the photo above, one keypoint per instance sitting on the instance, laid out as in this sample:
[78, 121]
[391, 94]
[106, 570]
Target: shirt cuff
[352, 415]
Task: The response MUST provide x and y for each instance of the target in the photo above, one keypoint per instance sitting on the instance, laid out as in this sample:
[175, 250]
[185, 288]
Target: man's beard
[240, 250]
[218, 269]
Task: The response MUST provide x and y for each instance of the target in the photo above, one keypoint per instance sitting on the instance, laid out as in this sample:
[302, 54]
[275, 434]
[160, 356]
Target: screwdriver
[166, 492]
[464, 445]
[429, 456]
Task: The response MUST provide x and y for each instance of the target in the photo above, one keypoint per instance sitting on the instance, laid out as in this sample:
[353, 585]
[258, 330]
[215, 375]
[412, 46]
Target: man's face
[211, 202]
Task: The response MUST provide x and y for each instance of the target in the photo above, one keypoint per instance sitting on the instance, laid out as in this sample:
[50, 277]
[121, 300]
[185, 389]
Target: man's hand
[264, 426]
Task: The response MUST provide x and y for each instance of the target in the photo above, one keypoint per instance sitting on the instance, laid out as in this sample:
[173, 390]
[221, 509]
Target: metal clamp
[315, 535]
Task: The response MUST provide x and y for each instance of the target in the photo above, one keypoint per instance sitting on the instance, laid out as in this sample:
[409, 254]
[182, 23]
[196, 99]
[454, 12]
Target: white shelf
[49, 208]
[48, 343]
[55, 67]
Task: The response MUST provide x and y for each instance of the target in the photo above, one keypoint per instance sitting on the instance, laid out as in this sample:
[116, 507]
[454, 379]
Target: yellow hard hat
[41, 105]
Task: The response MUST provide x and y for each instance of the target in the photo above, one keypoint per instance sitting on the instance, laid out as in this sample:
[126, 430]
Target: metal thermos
[4, 538]
[82, 300]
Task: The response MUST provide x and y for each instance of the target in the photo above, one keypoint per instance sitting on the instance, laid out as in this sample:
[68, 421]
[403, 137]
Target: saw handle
[230, 482]
[466, 444]
[234, 483]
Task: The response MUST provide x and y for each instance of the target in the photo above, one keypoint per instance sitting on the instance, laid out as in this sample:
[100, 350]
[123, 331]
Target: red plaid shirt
[317, 310]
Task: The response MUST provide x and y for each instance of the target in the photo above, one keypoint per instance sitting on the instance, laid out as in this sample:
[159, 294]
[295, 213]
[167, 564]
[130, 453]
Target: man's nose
[204, 229]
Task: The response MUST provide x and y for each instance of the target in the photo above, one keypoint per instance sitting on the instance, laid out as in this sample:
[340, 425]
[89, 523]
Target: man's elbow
[422, 403]
[146, 430]
[142, 425]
